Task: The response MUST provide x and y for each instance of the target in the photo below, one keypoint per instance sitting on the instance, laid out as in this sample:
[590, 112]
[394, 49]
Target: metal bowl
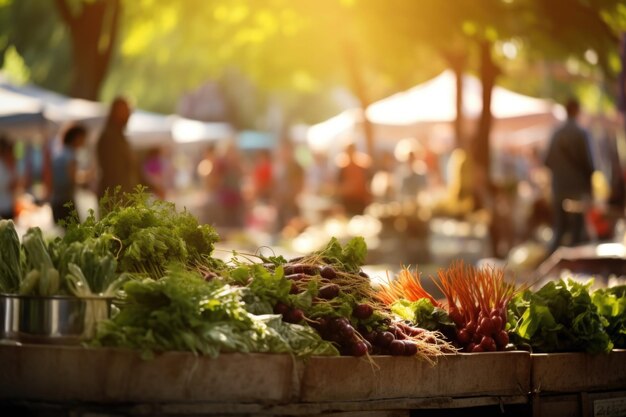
[52, 320]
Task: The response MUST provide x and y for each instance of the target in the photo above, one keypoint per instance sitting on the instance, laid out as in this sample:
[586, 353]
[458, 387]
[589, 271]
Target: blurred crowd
[569, 186]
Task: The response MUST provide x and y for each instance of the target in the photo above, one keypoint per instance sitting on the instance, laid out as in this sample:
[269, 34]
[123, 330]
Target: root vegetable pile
[476, 305]
[328, 291]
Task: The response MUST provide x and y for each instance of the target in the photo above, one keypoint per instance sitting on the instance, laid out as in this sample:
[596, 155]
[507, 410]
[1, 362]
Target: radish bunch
[344, 312]
[476, 302]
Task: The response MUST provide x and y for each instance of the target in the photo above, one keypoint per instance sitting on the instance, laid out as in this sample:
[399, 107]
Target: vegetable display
[181, 311]
[172, 294]
[329, 291]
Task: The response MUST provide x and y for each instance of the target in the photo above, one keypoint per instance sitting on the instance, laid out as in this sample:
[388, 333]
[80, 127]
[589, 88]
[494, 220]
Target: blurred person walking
[65, 173]
[384, 187]
[263, 177]
[207, 173]
[117, 163]
[290, 184]
[569, 159]
[353, 181]
[8, 179]
[228, 182]
[412, 178]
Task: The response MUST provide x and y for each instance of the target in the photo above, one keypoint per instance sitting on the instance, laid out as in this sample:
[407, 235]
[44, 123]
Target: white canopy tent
[428, 110]
[28, 111]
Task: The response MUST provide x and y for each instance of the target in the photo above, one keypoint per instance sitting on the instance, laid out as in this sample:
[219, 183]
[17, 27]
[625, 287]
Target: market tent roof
[57, 107]
[25, 109]
[435, 101]
[19, 115]
[146, 129]
[187, 131]
[427, 111]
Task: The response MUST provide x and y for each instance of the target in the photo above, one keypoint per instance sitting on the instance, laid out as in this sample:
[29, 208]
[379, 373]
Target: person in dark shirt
[569, 159]
[117, 163]
[64, 172]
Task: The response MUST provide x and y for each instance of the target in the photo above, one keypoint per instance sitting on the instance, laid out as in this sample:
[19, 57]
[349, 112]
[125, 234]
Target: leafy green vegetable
[183, 312]
[10, 268]
[93, 258]
[145, 235]
[350, 257]
[36, 252]
[560, 317]
[424, 314]
[611, 304]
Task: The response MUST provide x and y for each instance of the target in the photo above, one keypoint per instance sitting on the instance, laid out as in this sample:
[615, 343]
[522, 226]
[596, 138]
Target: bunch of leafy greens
[611, 304]
[181, 311]
[349, 257]
[560, 317]
[10, 253]
[145, 234]
[425, 315]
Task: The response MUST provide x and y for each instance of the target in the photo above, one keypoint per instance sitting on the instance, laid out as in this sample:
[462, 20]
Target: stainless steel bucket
[55, 319]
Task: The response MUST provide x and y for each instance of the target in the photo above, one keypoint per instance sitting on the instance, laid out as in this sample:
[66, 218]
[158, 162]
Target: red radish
[294, 315]
[347, 332]
[328, 292]
[497, 323]
[281, 308]
[480, 331]
[477, 349]
[487, 326]
[338, 322]
[358, 349]
[294, 289]
[297, 277]
[502, 339]
[321, 324]
[488, 344]
[363, 311]
[410, 349]
[369, 346]
[328, 272]
[384, 339]
[471, 327]
[301, 269]
[470, 347]
[463, 336]
[396, 348]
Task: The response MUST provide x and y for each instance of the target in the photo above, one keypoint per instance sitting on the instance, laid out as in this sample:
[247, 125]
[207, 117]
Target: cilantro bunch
[144, 234]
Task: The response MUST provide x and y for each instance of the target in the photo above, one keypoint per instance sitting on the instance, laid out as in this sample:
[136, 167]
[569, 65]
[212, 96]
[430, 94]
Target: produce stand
[579, 384]
[119, 382]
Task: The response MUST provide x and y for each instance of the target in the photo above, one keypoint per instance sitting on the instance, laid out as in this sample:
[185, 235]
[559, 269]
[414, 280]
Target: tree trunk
[93, 32]
[360, 90]
[489, 71]
[457, 62]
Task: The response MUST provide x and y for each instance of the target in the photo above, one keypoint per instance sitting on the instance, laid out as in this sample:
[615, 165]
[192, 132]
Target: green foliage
[423, 314]
[611, 304]
[560, 317]
[183, 312]
[349, 257]
[144, 235]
